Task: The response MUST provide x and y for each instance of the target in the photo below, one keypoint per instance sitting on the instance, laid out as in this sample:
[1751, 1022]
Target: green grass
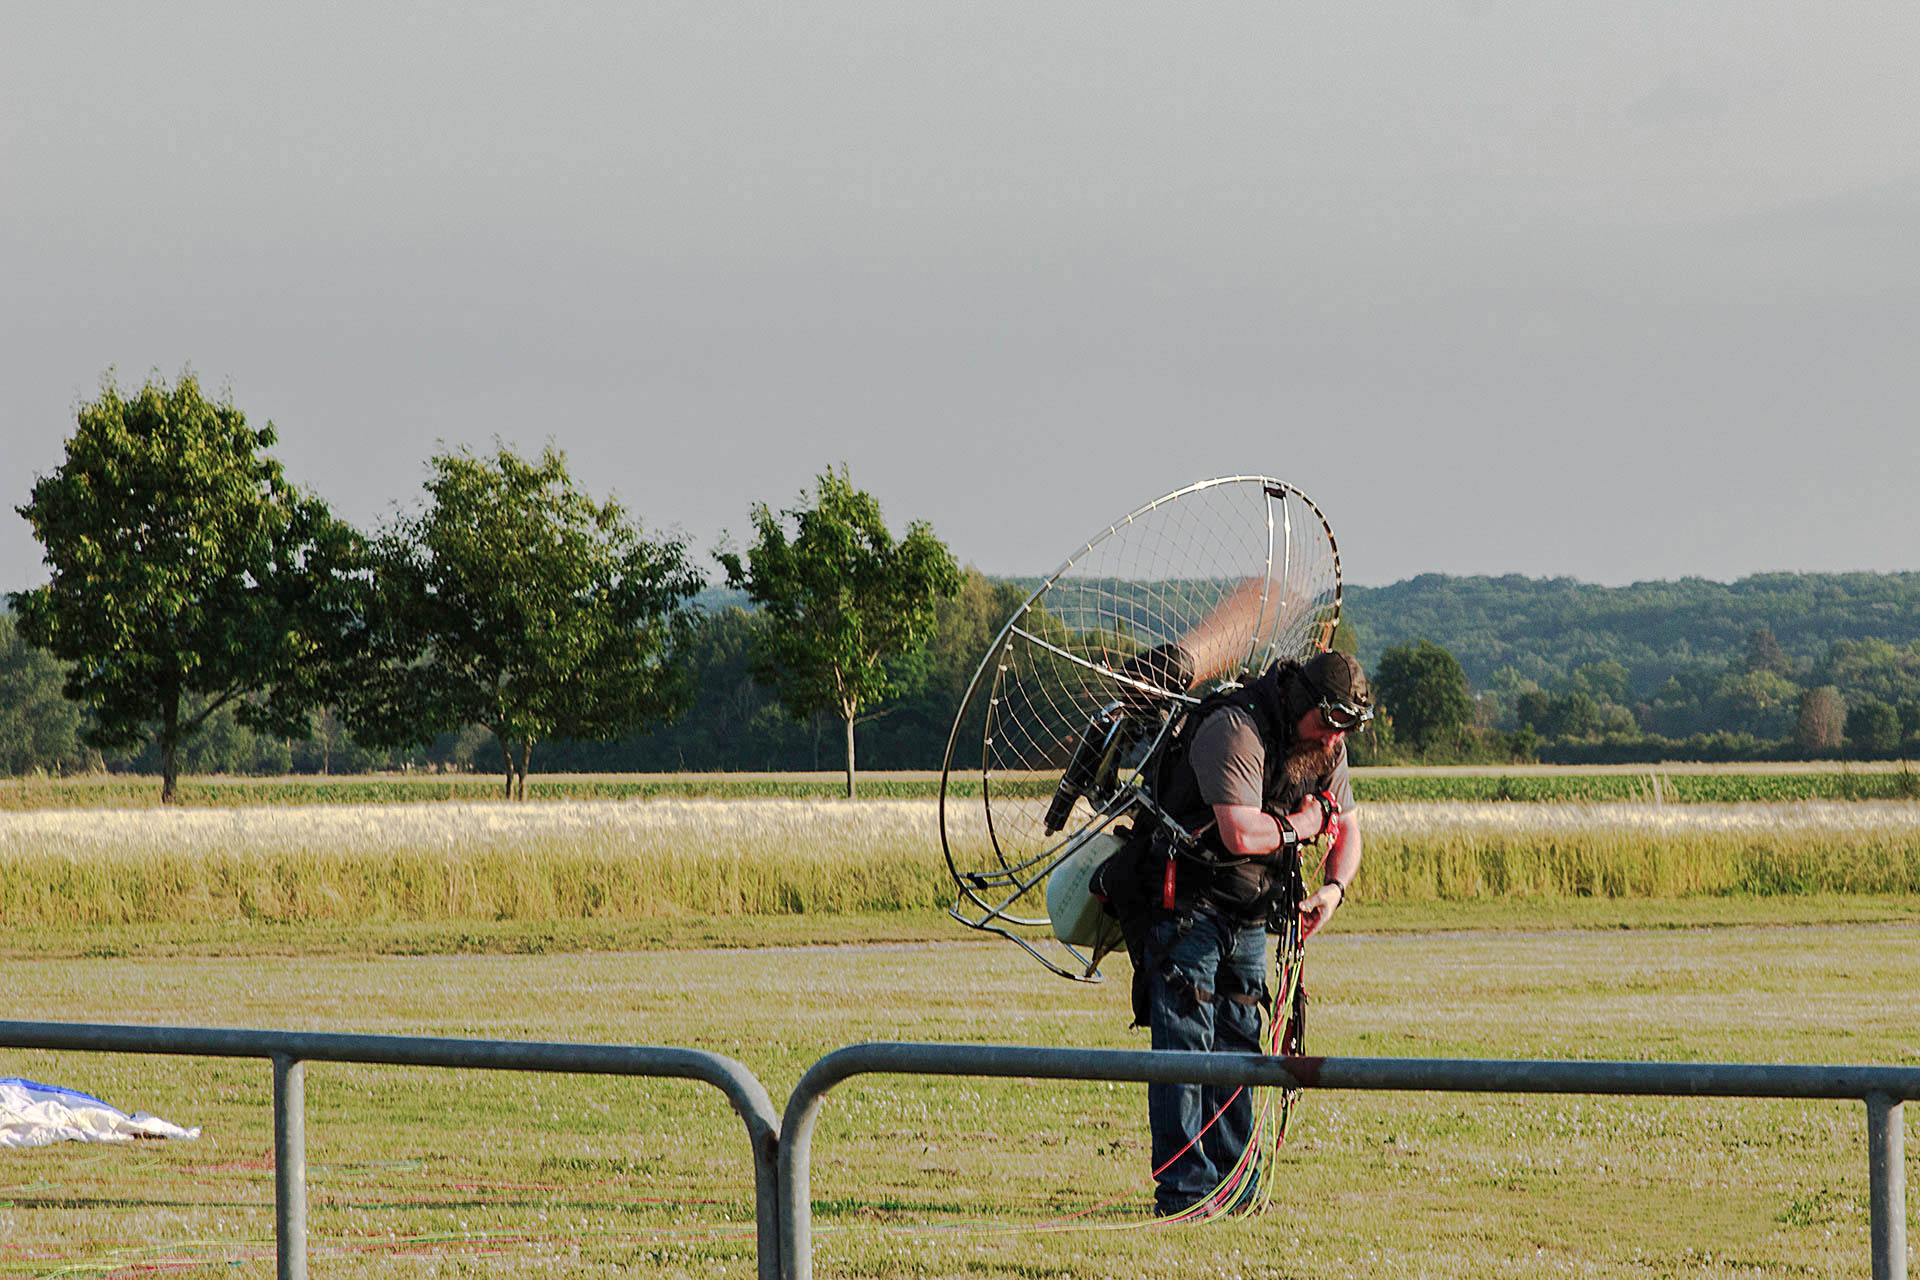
[1647, 786]
[368, 939]
[421, 1173]
[586, 866]
[1534, 784]
[204, 793]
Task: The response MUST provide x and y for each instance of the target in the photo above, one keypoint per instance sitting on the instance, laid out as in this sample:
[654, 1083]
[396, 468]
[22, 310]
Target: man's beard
[1308, 760]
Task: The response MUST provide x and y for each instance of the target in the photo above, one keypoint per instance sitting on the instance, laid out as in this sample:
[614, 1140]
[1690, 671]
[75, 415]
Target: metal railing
[1883, 1089]
[782, 1147]
[290, 1051]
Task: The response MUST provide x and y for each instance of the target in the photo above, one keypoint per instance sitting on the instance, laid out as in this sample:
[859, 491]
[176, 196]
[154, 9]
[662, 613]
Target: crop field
[1660, 784]
[419, 1173]
[666, 859]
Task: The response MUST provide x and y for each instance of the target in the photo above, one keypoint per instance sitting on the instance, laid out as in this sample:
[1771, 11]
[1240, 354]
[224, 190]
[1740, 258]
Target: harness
[1173, 864]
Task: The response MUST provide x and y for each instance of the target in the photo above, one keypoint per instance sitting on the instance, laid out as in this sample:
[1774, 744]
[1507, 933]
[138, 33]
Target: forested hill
[1641, 669]
[1545, 628]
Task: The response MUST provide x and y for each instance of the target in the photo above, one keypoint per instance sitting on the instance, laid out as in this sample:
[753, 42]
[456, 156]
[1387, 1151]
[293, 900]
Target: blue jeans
[1219, 959]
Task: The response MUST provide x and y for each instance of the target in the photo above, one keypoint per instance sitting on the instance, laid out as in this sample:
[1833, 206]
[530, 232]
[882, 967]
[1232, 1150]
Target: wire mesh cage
[1072, 695]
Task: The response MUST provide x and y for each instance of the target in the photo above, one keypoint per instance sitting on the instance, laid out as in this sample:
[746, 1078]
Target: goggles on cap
[1343, 716]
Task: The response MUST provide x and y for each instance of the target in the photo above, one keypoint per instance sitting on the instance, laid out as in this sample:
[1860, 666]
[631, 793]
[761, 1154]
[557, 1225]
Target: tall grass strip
[683, 858]
[1466, 852]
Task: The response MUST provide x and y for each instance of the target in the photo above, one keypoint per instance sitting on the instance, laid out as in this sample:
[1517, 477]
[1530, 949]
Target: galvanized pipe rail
[290, 1051]
[1883, 1089]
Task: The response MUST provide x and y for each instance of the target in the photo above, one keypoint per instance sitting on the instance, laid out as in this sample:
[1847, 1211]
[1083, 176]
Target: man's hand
[1319, 908]
[1309, 821]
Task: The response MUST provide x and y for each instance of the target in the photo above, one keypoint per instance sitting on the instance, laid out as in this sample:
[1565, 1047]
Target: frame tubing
[1724, 1080]
[290, 1166]
[1887, 1185]
[741, 1087]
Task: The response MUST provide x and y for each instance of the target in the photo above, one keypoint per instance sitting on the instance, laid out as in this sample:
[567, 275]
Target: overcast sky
[1616, 289]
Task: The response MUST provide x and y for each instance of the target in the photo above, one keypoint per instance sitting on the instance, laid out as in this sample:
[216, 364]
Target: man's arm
[1251, 832]
[1343, 863]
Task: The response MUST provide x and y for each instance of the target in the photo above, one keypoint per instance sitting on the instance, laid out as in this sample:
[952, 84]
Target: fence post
[290, 1166]
[1887, 1185]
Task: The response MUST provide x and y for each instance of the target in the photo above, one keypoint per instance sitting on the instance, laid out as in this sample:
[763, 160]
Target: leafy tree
[517, 603]
[224, 745]
[39, 727]
[1873, 727]
[914, 732]
[1423, 688]
[1755, 701]
[1605, 681]
[1820, 719]
[188, 576]
[1573, 715]
[732, 723]
[1765, 654]
[846, 604]
[1500, 698]
[329, 748]
[1545, 627]
[1871, 667]
[1533, 709]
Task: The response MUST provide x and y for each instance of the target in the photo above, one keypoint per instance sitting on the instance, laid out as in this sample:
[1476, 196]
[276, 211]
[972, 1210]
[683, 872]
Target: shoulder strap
[1169, 775]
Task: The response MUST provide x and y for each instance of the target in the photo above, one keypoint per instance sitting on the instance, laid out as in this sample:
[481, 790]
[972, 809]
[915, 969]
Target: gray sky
[1618, 289]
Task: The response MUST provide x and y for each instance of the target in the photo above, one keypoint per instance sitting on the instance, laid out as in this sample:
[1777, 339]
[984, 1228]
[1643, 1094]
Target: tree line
[1777, 666]
[196, 593]
[206, 615]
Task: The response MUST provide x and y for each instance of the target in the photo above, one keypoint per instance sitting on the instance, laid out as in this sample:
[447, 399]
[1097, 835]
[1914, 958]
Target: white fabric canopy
[37, 1115]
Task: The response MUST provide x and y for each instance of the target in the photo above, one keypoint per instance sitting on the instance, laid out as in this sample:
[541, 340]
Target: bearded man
[1264, 769]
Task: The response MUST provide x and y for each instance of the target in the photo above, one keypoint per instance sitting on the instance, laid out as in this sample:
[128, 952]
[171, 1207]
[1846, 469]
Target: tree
[39, 727]
[1765, 654]
[1820, 719]
[1423, 688]
[188, 576]
[845, 603]
[1533, 709]
[1755, 701]
[1873, 727]
[515, 602]
[1606, 681]
[1572, 715]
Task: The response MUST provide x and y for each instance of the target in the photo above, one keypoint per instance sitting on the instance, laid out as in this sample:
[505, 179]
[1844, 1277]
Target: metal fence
[1883, 1089]
[290, 1051]
[782, 1148]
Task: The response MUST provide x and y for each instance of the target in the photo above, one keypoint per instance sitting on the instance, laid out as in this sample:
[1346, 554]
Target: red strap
[1166, 887]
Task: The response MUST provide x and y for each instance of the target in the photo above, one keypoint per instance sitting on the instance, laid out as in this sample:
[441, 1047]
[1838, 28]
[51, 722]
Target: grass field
[1755, 932]
[1666, 784]
[419, 1173]
[611, 861]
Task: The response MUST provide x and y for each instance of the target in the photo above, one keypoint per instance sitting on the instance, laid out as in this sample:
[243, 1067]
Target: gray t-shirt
[1229, 762]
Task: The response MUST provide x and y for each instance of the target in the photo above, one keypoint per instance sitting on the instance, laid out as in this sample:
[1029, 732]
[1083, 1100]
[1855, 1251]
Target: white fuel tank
[1078, 917]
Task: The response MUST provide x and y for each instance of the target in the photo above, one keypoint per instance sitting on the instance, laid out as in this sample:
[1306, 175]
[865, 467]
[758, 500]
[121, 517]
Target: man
[1263, 769]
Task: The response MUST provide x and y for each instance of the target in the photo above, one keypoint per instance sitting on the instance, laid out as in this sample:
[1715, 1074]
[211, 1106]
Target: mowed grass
[612, 862]
[1778, 932]
[421, 1173]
